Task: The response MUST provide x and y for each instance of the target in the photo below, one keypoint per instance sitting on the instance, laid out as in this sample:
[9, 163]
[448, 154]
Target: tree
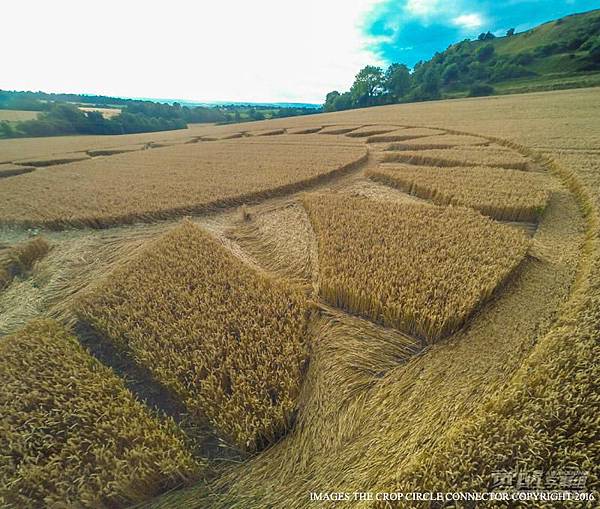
[450, 74]
[367, 86]
[254, 114]
[510, 32]
[330, 100]
[485, 53]
[429, 87]
[397, 81]
[334, 101]
[343, 102]
[6, 130]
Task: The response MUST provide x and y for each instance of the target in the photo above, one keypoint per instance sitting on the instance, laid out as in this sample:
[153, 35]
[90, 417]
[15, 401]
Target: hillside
[563, 53]
[560, 54]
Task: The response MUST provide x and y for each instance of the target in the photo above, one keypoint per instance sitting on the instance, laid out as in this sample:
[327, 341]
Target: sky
[238, 50]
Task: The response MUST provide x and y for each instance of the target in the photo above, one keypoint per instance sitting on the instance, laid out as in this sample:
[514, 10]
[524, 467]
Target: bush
[548, 49]
[506, 71]
[595, 51]
[524, 58]
[450, 74]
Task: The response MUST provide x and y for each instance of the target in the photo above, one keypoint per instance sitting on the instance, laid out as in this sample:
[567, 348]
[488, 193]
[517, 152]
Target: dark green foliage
[330, 99]
[504, 71]
[338, 102]
[595, 51]
[176, 111]
[486, 36]
[64, 118]
[397, 81]
[450, 74]
[6, 130]
[480, 90]
[430, 88]
[524, 58]
[368, 86]
[485, 53]
[60, 117]
[291, 112]
[548, 49]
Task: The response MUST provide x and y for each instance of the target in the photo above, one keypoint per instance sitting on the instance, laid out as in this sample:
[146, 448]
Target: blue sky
[407, 31]
[235, 50]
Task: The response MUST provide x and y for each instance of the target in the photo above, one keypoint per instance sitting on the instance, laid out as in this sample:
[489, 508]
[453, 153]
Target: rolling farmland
[17, 115]
[344, 301]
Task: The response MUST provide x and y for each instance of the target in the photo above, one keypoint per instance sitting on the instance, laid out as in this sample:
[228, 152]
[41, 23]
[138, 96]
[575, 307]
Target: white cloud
[468, 21]
[423, 7]
[266, 50]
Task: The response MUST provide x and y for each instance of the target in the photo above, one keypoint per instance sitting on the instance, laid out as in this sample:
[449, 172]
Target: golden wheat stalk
[72, 435]
[228, 341]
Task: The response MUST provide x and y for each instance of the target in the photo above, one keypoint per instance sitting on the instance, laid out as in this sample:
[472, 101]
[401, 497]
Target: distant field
[16, 115]
[29, 148]
[106, 112]
[168, 181]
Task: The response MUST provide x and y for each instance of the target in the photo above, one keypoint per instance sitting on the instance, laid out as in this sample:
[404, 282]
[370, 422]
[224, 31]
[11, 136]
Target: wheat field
[160, 183]
[17, 115]
[420, 269]
[502, 194]
[230, 343]
[462, 156]
[20, 258]
[362, 311]
[107, 449]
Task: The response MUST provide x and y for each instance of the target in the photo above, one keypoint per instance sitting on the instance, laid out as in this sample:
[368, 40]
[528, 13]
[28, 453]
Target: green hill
[564, 53]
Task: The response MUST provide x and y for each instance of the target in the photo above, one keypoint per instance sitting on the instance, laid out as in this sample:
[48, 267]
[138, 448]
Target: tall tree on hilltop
[367, 86]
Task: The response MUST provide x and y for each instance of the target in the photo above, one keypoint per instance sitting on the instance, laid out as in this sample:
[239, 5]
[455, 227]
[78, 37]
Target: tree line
[57, 118]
